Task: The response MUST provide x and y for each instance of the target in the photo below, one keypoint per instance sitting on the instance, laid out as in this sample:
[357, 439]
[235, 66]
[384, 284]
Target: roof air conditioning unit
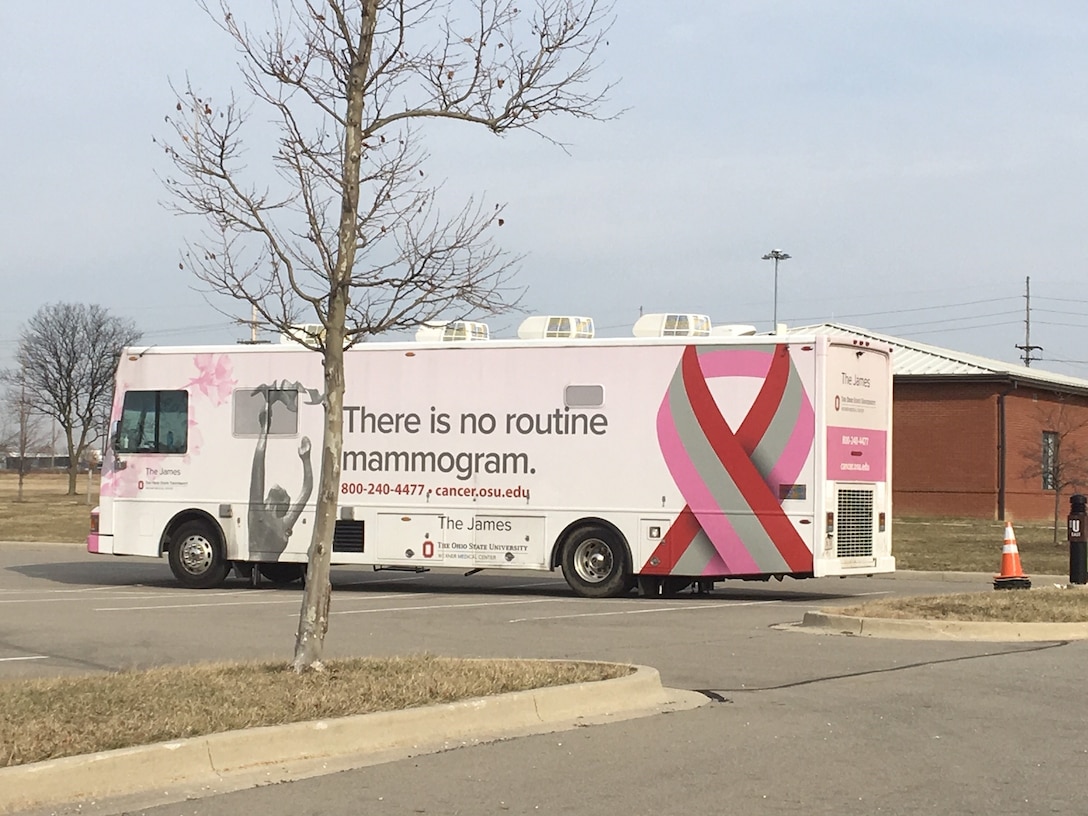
[452, 331]
[672, 325]
[550, 326]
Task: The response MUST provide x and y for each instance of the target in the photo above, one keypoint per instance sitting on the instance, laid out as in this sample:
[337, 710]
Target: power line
[954, 328]
[916, 309]
[957, 320]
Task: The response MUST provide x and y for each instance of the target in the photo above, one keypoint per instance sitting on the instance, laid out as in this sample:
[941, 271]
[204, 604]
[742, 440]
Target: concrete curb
[829, 623]
[305, 749]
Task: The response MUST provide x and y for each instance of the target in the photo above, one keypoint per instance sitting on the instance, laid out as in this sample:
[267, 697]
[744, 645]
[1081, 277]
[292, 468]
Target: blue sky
[918, 160]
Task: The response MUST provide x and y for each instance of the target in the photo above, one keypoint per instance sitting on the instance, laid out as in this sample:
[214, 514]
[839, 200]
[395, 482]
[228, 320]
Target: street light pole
[776, 255]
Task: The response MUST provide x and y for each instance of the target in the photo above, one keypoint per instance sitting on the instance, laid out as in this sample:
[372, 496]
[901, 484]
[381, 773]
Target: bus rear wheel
[196, 556]
[595, 563]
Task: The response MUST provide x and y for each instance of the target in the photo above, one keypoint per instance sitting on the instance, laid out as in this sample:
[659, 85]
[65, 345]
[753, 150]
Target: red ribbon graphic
[733, 463]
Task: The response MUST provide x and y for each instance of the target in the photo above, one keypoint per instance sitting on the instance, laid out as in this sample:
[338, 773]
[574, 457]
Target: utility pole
[1028, 348]
[254, 328]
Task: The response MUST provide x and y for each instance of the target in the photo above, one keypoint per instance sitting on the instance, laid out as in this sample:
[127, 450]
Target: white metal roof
[913, 359]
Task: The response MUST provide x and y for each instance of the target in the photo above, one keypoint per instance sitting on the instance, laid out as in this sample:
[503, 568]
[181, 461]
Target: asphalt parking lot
[798, 722]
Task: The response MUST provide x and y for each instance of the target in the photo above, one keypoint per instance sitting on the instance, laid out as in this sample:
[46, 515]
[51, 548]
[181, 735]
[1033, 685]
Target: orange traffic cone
[1012, 574]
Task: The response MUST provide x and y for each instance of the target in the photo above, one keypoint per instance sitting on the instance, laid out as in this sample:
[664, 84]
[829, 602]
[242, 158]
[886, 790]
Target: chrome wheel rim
[593, 561]
[196, 555]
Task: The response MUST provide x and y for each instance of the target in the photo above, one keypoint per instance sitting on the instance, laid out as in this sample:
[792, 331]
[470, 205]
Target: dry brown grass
[973, 545]
[1049, 604]
[46, 719]
[45, 513]
[962, 545]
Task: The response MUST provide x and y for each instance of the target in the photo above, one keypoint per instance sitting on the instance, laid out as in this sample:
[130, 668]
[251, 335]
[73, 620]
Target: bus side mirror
[115, 443]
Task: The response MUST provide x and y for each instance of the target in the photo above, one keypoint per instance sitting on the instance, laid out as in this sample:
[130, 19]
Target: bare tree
[21, 433]
[1061, 461]
[67, 357]
[347, 228]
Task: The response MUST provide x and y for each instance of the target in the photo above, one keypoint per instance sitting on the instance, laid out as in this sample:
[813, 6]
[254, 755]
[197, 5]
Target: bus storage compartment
[412, 539]
[509, 540]
[650, 551]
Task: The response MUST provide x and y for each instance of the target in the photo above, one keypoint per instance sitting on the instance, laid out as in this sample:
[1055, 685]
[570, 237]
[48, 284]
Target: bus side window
[154, 422]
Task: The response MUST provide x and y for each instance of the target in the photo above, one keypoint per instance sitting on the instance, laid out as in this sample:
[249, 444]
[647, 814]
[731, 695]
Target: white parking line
[293, 600]
[694, 607]
[27, 657]
[57, 591]
[443, 606]
[122, 594]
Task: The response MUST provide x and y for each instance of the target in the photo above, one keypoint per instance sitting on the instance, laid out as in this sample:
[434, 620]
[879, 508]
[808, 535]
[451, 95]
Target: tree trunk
[73, 462]
[313, 620]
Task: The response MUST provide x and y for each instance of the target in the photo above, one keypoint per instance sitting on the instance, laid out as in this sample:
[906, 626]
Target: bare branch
[342, 223]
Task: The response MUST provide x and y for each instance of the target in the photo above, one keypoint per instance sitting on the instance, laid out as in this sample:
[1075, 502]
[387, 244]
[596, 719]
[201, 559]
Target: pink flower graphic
[215, 379]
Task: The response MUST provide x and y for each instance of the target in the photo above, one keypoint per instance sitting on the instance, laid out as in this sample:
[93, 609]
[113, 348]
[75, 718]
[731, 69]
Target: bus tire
[595, 563]
[282, 573]
[196, 556]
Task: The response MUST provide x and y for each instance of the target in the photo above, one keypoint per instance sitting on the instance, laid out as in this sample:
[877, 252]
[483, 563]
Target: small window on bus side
[154, 422]
[251, 403]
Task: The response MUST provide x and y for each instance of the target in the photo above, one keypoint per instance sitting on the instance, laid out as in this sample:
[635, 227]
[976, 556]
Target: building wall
[1028, 414]
[946, 449]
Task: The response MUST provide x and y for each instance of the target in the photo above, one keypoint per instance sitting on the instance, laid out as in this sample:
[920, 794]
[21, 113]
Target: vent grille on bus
[348, 537]
[855, 524]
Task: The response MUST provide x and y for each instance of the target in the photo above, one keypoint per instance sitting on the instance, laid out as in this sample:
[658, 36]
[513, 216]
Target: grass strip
[51, 718]
[1049, 605]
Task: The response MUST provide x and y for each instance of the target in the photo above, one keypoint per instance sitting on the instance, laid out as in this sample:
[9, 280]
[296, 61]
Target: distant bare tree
[22, 432]
[67, 357]
[1061, 461]
[351, 233]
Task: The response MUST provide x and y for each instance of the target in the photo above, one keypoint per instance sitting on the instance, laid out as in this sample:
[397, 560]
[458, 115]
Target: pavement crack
[715, 694]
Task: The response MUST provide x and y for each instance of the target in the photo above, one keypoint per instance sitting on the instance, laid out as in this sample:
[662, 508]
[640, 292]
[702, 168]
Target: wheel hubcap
[196, 555]
[593, 561]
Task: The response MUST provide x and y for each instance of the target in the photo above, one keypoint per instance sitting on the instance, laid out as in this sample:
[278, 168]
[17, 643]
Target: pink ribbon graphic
[733, 522]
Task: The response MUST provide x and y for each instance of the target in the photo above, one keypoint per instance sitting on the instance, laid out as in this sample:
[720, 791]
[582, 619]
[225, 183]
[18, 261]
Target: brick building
[980, 438]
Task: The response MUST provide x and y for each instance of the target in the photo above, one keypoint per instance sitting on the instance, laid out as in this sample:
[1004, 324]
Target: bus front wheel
[595, 563]
[196, 556]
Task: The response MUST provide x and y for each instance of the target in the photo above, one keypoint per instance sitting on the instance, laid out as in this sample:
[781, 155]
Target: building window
[1050, 460]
